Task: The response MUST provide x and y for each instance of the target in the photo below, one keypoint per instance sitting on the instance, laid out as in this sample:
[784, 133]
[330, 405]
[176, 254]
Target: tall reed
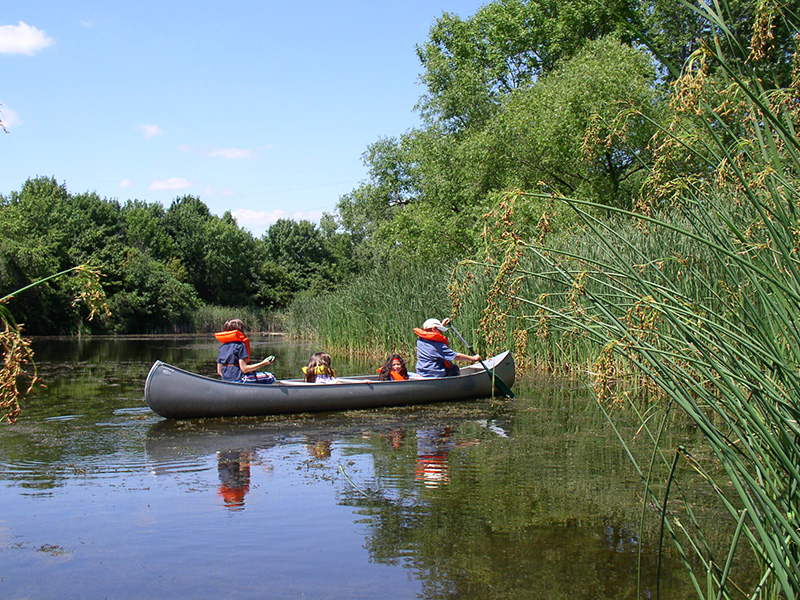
[702, 306]
[210, 318]
[375, 313]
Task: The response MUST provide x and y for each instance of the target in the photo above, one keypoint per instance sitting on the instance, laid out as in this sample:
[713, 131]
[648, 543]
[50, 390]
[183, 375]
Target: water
[101, 498]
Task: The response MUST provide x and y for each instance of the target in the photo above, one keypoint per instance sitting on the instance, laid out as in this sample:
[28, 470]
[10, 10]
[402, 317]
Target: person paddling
[233, 358]
[435, 358]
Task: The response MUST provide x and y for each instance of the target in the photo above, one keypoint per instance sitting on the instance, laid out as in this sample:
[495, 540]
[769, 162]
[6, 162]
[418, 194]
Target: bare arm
[245, 368]
[459, 356]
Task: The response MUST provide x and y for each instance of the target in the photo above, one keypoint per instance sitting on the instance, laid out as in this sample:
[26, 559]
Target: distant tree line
[158, 264]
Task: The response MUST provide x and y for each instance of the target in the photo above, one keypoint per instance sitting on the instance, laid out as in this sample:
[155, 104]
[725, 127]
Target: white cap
[434, 323]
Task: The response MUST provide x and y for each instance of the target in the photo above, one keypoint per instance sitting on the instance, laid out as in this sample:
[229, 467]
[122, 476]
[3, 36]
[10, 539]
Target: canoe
[177, 394]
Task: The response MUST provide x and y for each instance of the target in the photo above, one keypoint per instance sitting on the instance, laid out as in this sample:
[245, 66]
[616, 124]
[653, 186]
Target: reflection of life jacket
[234, 477]
[432, 470]
[233, 496]
[224, 337]
[434, 336]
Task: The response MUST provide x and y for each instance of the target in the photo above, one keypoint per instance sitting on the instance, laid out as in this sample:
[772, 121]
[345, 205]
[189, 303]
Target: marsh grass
[210, 318]
[695, 299]
[375, 314]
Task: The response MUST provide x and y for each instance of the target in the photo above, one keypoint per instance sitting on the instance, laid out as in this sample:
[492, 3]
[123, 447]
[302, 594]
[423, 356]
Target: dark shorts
[258, 378]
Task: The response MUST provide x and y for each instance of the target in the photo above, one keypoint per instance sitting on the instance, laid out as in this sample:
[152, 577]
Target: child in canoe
[319, 370]
[233, 358]
[394, 369]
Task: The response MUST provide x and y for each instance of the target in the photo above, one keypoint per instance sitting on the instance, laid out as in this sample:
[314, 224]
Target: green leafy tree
[300, 249]
[151, 297]
[231, 255]
[37, 242]
[145, 230]
[220, 258]
[428, 188]
[586, 128]
[469, 65]
[185, 220]
[763, 30]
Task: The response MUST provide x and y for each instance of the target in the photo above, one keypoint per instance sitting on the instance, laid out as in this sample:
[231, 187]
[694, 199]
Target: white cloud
[125, 183]
[232, 153]
[9, 117]
[23, 39]
[261, 219]
[173, 183]
[150, 131]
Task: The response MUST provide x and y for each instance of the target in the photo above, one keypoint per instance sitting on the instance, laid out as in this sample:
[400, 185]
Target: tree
[230, 258]
[469, 65]
[145, 229]
[220, 258]
[151, 297]
[38, 228]
[761, 32]
[301, 250]
[585, 128]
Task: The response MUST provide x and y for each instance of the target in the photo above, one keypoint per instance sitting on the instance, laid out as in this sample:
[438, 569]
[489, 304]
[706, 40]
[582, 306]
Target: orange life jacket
[431, 336]
[395, 375]
[234, 335]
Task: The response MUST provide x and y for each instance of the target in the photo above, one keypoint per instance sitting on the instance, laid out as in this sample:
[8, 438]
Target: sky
[260, 108]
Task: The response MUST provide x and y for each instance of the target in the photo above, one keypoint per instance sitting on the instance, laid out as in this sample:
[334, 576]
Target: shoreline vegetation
[621, 207]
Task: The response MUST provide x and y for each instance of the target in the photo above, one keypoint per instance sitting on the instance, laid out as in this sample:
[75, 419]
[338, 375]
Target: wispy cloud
[231, 153]
[9, 117]
[125, 183]
[149, 130]
[173, 183]
[23, 39]
[261, 219]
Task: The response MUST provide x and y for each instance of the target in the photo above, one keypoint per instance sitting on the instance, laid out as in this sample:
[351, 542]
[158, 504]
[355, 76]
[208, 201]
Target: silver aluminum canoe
[177, 394]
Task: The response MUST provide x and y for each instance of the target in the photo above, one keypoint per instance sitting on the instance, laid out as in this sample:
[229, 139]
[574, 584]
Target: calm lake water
[492, 499]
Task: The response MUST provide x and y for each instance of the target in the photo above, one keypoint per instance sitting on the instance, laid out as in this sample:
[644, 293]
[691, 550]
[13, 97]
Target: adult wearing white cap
[435, 358]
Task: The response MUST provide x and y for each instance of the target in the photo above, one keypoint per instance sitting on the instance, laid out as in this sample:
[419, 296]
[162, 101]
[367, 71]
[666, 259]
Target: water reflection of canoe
[177, 394]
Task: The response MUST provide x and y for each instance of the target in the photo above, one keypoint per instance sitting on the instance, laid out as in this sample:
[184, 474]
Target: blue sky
[261, 108]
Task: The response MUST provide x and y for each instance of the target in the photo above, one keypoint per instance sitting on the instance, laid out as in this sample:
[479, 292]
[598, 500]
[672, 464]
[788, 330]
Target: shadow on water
[476, 500]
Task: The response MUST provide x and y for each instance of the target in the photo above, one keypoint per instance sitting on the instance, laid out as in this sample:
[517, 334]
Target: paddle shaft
[501, 385]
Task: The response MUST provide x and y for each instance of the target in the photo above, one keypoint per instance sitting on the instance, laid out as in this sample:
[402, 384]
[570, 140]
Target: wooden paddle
[499, 385]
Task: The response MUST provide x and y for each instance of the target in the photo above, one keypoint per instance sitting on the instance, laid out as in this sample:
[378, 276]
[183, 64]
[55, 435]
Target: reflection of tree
[233, 467]
[544, 512]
